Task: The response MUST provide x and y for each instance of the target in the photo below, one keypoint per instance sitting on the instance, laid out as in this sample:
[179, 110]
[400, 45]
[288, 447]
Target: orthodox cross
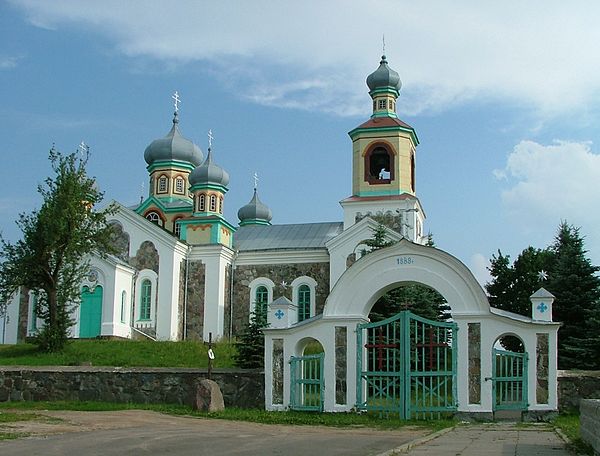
[383, 44]
[83, 148]
[210, 138]
[430, 347]
[176, 101]
[255, 181]
[279, 314]
[542, 307]
[380, 345]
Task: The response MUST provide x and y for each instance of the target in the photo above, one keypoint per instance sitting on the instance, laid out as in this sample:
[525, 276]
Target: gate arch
[365, 281]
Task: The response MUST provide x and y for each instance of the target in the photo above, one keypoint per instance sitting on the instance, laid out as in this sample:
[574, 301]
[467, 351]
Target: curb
[416, 442]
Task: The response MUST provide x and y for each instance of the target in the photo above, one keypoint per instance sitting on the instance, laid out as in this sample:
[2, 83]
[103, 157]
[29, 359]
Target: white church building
[184, 271]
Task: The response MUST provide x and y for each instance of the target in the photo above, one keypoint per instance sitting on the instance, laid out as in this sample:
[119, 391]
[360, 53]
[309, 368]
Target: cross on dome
[83, 148]
[210, 138]
[256, 179]
[176, 100]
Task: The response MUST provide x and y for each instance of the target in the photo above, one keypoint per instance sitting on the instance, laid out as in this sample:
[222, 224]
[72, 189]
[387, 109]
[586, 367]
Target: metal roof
[294, 236]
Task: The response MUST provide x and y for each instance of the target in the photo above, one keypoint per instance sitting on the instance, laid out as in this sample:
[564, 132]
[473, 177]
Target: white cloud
[9, 62]
[550, 183]
[535, 53]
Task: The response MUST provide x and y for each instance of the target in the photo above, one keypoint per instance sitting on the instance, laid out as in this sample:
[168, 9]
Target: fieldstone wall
[119, 240]
[146, 257]
[278, 273]
[23, 314]
[541, 353]
[576, 385]
[240, 388]
[195, 300]
[341, 365]
[474, 337]
[590, 422]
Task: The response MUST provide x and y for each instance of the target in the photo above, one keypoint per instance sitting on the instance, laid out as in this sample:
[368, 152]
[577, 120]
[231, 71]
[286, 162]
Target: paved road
[140, 432]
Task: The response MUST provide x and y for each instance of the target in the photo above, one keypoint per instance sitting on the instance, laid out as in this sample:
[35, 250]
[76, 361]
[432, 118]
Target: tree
[50, 258]
[250, 345]
[570, 277]
[574, 282]
[419, 299]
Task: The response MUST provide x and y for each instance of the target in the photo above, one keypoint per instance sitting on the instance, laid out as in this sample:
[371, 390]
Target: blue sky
[504, 96]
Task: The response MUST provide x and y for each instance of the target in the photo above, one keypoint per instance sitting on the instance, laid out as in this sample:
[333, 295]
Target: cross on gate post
[380, 346]
[430, 346]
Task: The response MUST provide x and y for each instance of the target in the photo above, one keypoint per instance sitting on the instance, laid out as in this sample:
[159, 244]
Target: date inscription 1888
[405, 260]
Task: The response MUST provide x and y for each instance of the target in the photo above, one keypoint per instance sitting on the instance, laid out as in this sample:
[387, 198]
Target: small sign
[211, 354]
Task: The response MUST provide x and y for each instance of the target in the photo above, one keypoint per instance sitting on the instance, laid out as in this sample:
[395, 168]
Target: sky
[504, 97]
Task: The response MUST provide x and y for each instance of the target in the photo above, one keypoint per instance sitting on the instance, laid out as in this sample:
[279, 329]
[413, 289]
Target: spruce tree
[250, 344]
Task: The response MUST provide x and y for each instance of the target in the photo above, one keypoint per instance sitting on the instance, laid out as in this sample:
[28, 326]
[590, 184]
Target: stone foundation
[576, 385]
[590, 422]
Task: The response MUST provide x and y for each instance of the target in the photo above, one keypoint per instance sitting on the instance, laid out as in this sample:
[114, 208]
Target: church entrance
[90, 312]
[406, 367]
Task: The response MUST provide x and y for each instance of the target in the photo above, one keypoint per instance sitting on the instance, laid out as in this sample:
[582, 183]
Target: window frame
[367, 162]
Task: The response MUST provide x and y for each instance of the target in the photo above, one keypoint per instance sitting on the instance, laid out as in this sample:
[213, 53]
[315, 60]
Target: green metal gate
[307, 385]
[406, 367]
[509, 377]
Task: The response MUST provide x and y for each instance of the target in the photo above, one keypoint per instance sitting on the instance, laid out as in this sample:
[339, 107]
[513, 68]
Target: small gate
[307, 386]
[509, 376]
[406, 366]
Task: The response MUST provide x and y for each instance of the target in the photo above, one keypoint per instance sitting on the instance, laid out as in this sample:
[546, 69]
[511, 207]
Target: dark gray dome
[173, 147]
[255, 211]
[209, 173]
[384, 76]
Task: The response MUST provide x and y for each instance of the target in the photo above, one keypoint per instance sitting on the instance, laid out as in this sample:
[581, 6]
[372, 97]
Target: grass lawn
[253, 415]
[122, 353]
[569, 425]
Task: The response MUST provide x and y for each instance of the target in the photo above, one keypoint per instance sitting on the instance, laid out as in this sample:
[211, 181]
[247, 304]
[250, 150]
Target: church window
[303, 302]
[179, 182]
[382, 104]
[146, 299]
[374, 105]
[220, 204]
[261, 300]
[412, 172]
[123, 305]
[162, 184]
[213, 203]
[202, 203]
[154, 218]
[177, 228]
[379, 165]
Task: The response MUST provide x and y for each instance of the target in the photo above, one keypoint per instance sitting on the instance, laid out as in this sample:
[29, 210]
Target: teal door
[90, 312]
[509, 375]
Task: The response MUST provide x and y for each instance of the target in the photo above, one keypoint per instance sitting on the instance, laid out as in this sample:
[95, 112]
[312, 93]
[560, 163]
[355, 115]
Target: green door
[509, 376]
[90, 312]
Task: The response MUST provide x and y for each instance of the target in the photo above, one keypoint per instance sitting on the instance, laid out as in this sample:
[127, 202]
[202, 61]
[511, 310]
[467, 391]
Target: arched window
[177, 228]
[213, 203]
[162, 184]
[379, 165]
[123, 305]
[179, 183]
[220, 204]
[303, 302]
[154, 218]
[202, 203]
[146, 300]
[261, 300]
[412, 171]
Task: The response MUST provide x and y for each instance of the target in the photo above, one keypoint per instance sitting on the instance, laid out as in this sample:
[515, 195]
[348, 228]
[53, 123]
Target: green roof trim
[160, 203]
[205, 186]
[184, 166]
[412, 132]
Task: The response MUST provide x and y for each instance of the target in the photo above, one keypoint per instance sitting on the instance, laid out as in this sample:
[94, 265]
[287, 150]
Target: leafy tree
[250, 344]
[419, 299]
[573, 280]
[50, 257]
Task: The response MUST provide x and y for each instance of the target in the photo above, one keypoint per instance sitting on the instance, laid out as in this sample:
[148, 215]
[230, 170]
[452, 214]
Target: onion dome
[255, 212]
[384, 76]
[173, 147]
[209, 173]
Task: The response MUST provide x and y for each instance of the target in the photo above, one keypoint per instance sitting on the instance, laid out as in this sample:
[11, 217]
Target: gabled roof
[379, 122]
[293, 236]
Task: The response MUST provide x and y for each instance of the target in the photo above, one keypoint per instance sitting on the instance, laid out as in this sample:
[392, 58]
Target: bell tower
[383, 163]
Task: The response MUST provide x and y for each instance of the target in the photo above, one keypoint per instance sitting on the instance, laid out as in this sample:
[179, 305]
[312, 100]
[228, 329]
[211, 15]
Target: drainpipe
[185, 296]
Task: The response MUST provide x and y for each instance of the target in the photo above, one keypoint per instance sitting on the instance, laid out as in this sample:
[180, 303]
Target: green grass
[252, 415]
[12, 417]
[569, 425]
[125, 353]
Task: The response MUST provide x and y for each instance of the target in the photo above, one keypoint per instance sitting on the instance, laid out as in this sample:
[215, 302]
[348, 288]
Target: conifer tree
[250, 344]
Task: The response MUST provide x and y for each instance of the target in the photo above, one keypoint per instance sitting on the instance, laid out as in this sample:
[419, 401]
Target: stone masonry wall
[195, 300]
[576, 385]
[278, 273]
[590, 422]
[240, 388]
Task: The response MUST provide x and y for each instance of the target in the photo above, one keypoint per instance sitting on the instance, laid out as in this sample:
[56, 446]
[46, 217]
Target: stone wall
[576, 385]
[195, 301]
[590, 422]
[278, 273]
[240, 388]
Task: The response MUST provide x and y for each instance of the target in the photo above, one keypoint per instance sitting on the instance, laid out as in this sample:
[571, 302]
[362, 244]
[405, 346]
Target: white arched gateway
[461, 356]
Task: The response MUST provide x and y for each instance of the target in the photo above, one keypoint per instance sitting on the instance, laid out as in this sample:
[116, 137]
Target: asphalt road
[140, 432]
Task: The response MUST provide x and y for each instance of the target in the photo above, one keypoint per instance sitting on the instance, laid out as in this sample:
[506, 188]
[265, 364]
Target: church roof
[173, 147]
[381, 122]
[384, 76]
[293, 236]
